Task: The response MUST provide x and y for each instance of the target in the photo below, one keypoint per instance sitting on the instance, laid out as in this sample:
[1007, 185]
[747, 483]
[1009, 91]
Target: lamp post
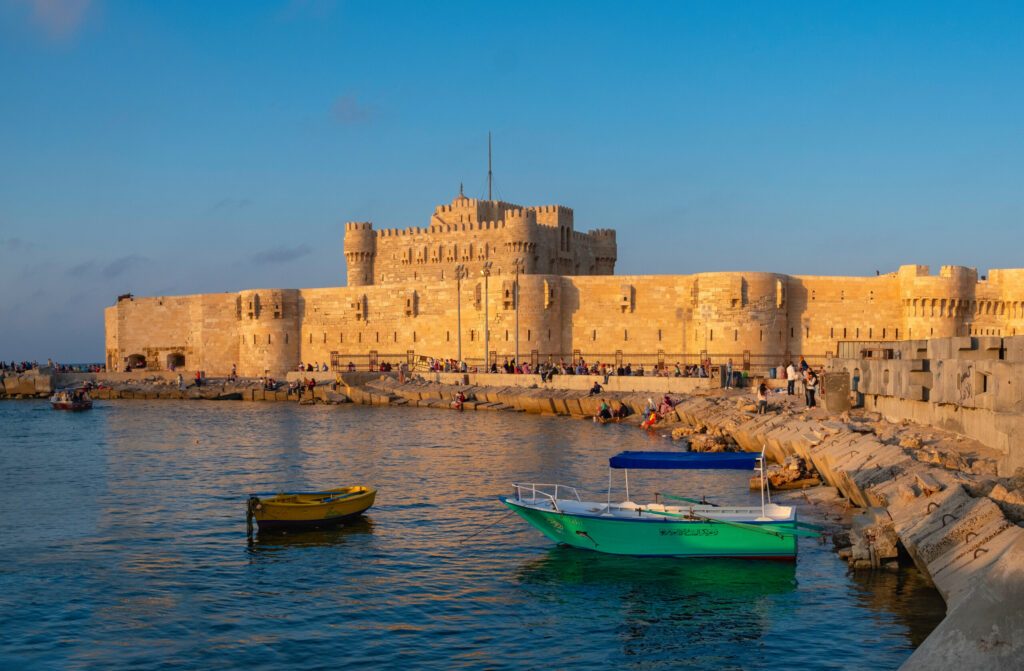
[518, 263]
[486, 272]
[460, 274]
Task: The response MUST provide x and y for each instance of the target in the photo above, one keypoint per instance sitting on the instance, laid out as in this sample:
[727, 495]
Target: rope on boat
[702, 501]
[780, 532]
[480, 531]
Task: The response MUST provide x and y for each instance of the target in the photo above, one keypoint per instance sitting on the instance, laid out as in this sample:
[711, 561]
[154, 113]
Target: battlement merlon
[470, 230]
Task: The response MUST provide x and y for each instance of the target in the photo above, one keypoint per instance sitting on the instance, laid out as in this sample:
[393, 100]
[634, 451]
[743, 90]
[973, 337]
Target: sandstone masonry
[413, 292]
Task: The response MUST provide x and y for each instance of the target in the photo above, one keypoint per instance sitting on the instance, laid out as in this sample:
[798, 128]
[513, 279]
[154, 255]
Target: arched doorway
[136, 361]
[175, 361]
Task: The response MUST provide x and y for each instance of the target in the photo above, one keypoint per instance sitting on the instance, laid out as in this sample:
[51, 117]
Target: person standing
[728, 375]
[790, 379]
[762, 398]
[812, 386]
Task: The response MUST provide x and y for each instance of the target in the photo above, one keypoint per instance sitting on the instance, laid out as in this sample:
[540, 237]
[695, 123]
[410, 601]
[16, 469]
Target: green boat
[674, 526]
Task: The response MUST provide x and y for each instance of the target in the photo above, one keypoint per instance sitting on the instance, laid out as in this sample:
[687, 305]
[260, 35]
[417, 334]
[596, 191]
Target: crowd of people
[26, 366]
[799, 373]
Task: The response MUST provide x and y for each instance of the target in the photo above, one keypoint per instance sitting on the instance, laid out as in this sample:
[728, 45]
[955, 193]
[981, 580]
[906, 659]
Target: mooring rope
[480, 531]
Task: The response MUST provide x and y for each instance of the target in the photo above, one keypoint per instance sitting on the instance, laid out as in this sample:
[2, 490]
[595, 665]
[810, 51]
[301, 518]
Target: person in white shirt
[790, 379]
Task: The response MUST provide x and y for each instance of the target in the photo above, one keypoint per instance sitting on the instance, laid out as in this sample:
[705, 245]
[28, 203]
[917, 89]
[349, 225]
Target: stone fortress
[413, 292]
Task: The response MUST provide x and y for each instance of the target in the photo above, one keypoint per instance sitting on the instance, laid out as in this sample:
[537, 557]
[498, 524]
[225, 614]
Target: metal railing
[542, 494]
[653, 363]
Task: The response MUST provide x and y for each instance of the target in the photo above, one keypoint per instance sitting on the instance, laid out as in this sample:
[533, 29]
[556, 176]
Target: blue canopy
[665, 460]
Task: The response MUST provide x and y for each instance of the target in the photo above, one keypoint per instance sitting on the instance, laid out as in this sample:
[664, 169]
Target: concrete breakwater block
[27, 384]
[955, 533]
[984, 628]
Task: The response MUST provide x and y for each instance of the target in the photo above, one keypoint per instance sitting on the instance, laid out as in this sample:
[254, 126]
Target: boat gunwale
[704, 519]
[355, 496]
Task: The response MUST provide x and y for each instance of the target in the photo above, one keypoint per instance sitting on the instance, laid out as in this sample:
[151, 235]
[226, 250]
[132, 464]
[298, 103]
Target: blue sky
[181, 147]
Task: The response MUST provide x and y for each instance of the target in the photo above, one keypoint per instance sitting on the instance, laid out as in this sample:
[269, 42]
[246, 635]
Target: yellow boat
[309, 510]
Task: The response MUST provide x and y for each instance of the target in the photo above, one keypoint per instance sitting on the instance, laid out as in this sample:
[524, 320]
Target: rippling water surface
[122, 546]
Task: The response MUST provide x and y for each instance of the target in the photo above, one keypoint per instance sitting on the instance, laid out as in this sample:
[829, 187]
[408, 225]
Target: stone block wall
[968, 385]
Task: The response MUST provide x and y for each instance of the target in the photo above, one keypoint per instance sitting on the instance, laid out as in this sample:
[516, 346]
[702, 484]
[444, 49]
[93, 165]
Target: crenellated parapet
[937, 306]
[471, 232]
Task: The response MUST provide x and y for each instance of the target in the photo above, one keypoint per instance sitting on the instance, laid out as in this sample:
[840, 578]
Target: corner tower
[360, 252]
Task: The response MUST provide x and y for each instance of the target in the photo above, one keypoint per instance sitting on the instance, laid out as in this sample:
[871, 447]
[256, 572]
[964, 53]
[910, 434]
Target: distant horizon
[182, 149]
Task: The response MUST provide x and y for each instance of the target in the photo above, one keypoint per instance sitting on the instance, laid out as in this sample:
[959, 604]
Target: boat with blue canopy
[674, 526]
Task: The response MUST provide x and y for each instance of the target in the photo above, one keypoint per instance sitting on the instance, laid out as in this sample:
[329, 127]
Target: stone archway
[175, 361]
[136, 361]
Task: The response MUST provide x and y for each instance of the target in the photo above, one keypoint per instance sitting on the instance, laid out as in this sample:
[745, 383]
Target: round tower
[733, 313]
[360, 252]
[936, 306]
[520, 237]
[269, 332]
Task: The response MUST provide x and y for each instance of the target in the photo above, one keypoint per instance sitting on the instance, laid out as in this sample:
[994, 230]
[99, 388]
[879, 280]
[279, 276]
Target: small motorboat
[679, 527]
[67, 399]
[308, 510]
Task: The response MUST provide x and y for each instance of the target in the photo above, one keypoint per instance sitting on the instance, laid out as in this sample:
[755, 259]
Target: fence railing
[868, 349]
[753, 364]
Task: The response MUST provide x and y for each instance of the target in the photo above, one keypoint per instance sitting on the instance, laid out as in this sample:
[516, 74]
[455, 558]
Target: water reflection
[665, 610]
[665, 576]
[908, 595]
[276, 541]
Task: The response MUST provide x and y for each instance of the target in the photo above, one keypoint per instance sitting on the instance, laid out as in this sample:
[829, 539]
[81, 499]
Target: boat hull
[662, 537]
[298, 512]
[73, 406]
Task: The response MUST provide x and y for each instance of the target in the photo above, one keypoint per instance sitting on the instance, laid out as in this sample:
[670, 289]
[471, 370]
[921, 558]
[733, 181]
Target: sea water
[123, 546]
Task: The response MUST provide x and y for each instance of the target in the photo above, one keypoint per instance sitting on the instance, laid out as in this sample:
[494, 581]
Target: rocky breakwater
[535, 400]
[165, 387]
[32, 384]
[957, 521]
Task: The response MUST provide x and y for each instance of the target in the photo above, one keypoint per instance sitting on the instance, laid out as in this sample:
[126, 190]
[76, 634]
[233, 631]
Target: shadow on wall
[570, 306]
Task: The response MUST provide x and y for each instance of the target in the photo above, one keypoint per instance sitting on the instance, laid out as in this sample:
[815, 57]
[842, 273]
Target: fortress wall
[416, 255]
[424, 317]
[726, 314]
[401, 296]
[218, 327]
[826, 310]
[628, 313]
[155, 328]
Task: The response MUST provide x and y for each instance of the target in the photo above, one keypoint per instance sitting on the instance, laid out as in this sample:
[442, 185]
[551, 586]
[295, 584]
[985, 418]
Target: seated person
[762, 398]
